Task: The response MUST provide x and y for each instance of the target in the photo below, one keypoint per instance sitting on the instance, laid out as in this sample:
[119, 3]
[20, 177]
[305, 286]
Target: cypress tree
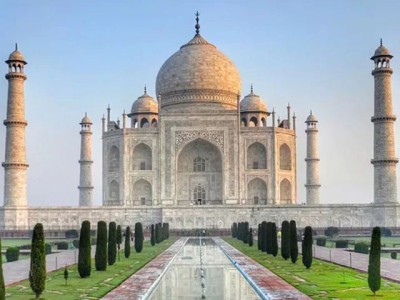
[269, 238]
[66, 274]
[294, 249]
[119, 238]
[2, 286]
[100, 257]
[127, 249]
[263, 236]
[246, 232]
[84, 257]
[235, 230]
[139, 237]
[153, 235]
[112, 243]
[374, 266]
[158, 233]
[251, 237]
[259, 237]
[37, 272]
[167, 230]
[307, 247]
[285, 240]
[274, 240]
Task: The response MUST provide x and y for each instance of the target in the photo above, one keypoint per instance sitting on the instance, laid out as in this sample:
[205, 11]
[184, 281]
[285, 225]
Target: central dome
[196, 74]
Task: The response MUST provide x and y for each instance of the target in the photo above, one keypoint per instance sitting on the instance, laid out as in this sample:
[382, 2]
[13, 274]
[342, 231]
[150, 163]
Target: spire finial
[251, 89]
[381, 42]
[16, 46]
[197, 23]
[85, 114]
[145, 90]
[310, 111]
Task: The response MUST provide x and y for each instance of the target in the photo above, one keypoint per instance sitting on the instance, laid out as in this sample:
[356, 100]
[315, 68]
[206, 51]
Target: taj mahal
[200, 155]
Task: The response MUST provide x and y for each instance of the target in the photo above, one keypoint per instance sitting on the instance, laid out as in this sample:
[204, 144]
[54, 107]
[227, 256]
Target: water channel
[201, 270]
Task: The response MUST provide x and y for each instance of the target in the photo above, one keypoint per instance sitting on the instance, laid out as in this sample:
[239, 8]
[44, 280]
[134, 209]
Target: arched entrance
[199, 174]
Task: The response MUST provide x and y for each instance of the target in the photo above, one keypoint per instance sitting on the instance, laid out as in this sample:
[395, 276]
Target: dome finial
[251, 89]
[381, 42]
[145, 90]
[197, 23]
[16, 46]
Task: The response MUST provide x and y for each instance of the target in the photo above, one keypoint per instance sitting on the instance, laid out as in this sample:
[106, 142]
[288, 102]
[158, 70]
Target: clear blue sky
[84, 55]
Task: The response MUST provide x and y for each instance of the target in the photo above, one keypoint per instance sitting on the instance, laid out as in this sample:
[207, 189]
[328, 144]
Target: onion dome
[198, 73]
[381, 51]
[144, 104]
[86, 120]
[311, 118]
[252, 103]
[16, 56]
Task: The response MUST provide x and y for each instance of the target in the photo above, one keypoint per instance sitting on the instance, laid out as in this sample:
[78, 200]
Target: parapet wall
[190, 217]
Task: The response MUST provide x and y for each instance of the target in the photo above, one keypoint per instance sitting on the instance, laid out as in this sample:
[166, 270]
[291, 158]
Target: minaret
[85, 178]
[15, 165]
[312, 160]
[384, 161]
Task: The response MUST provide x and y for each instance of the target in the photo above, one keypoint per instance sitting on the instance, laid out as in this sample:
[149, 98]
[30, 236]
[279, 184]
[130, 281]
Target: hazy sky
[84, 55]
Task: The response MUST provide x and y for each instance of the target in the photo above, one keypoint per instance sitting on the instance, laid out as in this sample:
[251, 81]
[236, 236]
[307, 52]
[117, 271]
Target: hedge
[12, 254]
[361, 247]
[321, 241]
[342, 244]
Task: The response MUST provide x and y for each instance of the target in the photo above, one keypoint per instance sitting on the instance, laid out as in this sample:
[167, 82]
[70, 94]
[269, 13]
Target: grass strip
[323, 280]
[97, 285]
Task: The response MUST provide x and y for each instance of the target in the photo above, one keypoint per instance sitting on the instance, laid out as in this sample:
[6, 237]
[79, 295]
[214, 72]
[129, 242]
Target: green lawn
[97, 285]
[324, 280]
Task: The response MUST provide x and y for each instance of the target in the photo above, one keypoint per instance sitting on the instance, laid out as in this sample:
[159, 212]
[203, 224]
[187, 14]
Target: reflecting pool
[202, 272]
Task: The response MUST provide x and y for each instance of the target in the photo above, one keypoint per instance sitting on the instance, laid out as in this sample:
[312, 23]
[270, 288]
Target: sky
[84, 55]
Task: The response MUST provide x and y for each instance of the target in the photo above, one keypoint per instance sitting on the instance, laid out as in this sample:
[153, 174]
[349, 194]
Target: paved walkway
[17, 271]
[272, 285]
[139, 284]
[390, 268]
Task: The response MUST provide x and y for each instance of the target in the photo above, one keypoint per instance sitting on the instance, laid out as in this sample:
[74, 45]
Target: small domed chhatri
[311, 118]
[145, 104]
[196, 74]
[86, 120]
[16, 56]
[381, 51]
[252, 103]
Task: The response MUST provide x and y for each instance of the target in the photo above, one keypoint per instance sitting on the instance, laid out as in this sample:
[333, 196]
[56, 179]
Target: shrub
[263, 236]
[294, 249]
[84, 256]
[269, 237]
[112, 243]
[307, 247]
[66, 274]
[75, 243]
[285, 240]
[361, 247]
[47, 248]
[127, 249]
[119, 237]
[12, 254]
[139, 237]
[2, 285]
[321, 241]
[246, 232]
[62, 246]
[100, 257]
[153, 235]
[251, 237]
[71, 234]
[342, 244]
[393, 255]
[158, 233]
[386, 231]
[37, 271]
[331, 231]
[374, 266]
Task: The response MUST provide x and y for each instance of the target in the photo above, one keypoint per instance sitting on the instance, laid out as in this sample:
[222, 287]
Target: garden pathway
[17, 271]
[390, 268]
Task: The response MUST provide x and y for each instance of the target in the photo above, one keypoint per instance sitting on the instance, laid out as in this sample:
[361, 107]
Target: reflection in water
[222, 281]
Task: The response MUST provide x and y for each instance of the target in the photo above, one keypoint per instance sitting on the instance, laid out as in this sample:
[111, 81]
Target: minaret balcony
[383, 118]
[385, 161]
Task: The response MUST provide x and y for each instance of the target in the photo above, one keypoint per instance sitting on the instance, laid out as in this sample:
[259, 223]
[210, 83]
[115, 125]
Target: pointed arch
[285, 192]
[144, 123]
[285, 157]
[256, 156]
[142, 157]
[253, 122]
[142, 192]
[257, 192]
[244, 122]
[113, 159]
[113, 192]
[154, 123]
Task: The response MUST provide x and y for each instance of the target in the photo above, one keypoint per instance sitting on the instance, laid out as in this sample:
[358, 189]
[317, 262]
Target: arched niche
[285, 192]
[142, 157]
[113, 159]
[142, 192]
[199, 162]
[257, 192]
[285, 157]
[256, 156]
